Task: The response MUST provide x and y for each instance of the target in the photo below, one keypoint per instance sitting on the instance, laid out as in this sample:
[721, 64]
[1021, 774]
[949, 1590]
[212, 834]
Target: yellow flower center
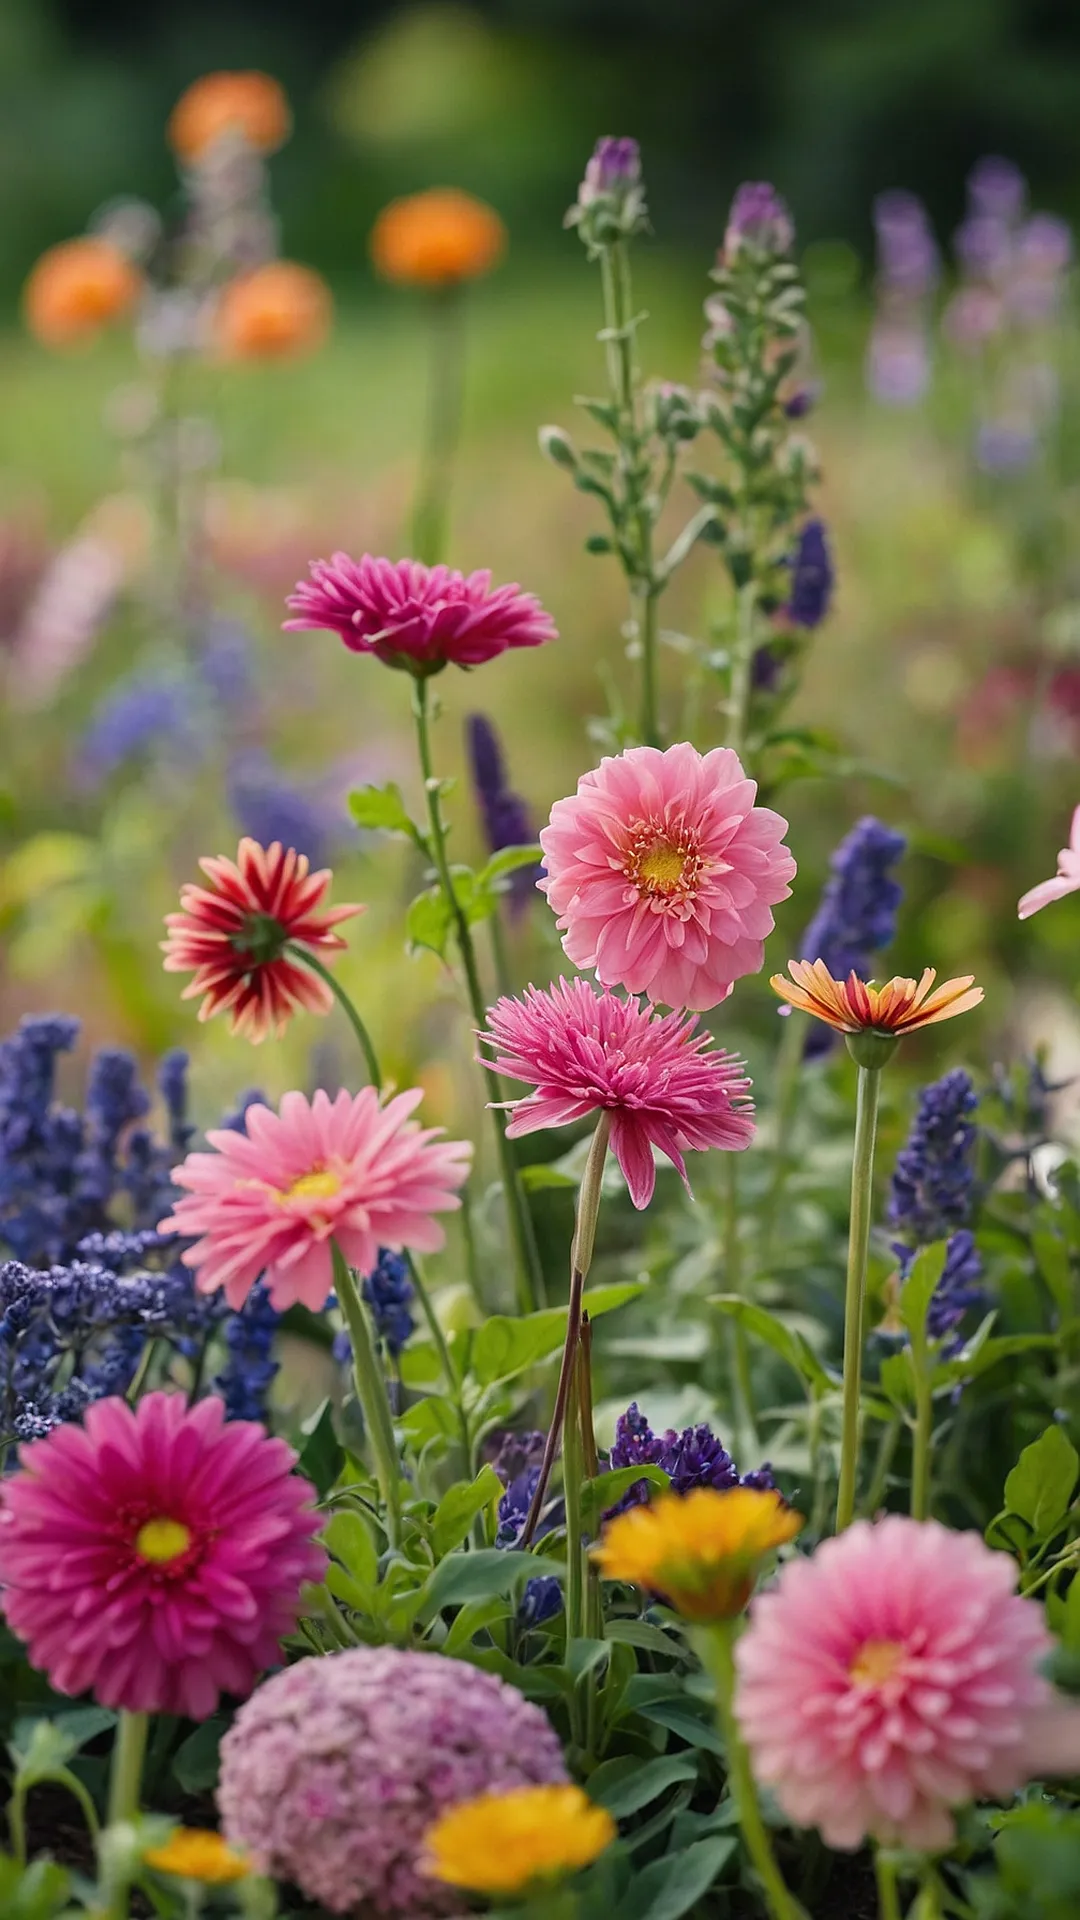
[876, 1662]
[162, 1540]
[661, 868]
[320, 1185]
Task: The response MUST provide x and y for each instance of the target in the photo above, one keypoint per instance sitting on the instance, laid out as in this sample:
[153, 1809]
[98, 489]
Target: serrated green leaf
[459, 1507]
[428, 922]
[1041, 1484]
[382, 808]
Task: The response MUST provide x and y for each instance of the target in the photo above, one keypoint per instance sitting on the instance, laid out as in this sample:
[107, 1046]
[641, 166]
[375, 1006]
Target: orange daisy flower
[276, 312]
[857, 1006]
[235, 935]
[437, 239]
[77, 288]
[250, 104]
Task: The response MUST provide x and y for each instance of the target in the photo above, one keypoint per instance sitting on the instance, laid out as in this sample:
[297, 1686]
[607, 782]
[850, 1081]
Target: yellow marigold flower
[192, 1854]
[250, 104]
[275, 312]
[702, 1551]
[76, 289]
[437, 239]
[855, 1006]
[503, 1843]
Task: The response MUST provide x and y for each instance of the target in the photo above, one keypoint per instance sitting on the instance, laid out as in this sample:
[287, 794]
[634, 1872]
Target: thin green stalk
[371, 1393]
[125, 1775]
[640, 564]
[446, 388]
[879, 1482]
[922, 1442]
[446, 1359]
[742, 667]
[862, 1181]
[717, 1645]
[311, 960]
[742, 1384]
[789, 1058]
[526, 1253]
[573, 1466]
[888, 1889]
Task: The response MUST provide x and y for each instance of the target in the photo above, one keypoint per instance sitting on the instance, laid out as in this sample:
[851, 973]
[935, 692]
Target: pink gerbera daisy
[417, 617]
[894, 1676]
[586, 1052]
[663, 872]
[350, 1170]
[154, 1556]
[235, 934]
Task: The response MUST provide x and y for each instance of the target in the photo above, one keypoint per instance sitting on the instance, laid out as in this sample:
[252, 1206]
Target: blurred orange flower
[857, 1006]
[251, 104]
[437, 239]
[76, 289]
[273, 313]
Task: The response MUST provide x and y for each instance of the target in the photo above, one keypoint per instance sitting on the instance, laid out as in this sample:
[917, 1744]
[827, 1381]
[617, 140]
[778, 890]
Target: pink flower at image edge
[419, 617]
[1066, 880]
[350, 1170]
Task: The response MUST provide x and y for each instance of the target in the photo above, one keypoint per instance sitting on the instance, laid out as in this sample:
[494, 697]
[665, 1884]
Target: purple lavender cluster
[933, 1198]
[504, 814]
[856, 917]
[898, 364]
[692, 1458]
[516, 1459]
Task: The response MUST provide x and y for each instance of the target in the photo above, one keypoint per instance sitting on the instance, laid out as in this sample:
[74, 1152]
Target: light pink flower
[154, 1556]
[273, 1198]
[893, 1676]
[663, 872]
[1066, 880]
[418, 617]
[656, 1075]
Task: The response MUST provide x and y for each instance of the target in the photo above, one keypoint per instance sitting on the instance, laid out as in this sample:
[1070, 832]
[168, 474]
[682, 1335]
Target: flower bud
[759, 222]
[611, 198]
[558, 447]
[674, 411]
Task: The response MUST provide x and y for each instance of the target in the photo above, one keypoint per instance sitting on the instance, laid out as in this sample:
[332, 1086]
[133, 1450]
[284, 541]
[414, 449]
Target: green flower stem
[888, 1890]
[125, 1776]
[743, 1390]
[639, 562]
[887, 1445]
[311, 960]
[922, 1438]
[581, 1251]
[789, 1057]
[742, 667]
[530, 1276]
[717, 1647]
[573, 1463]
[371, 1392]
[446, 388]
[862, 1181]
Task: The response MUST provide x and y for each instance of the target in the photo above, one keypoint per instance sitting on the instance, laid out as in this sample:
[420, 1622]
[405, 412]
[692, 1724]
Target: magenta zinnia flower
[348, 1169]
[893, 1676]
[417, 617]
[154, 1556]
[655, 1074]
[663, 872]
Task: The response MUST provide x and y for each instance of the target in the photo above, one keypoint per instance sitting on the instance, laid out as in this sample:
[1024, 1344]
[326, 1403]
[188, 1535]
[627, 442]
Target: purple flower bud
[812, 577]
[907, 254]
[759, 218]
[898, 362]
[996, 186]
[615, 165]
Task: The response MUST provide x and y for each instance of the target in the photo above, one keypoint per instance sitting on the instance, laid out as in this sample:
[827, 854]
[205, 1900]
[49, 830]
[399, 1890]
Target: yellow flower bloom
[504, 1843]
[192, 1854]
[702, 1551]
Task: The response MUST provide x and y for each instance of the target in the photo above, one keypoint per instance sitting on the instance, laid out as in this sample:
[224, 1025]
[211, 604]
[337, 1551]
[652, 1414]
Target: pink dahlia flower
[656, 1075]
[274, 1197]
[333, 1772]
[154, 1556]
[893, 1676]
[417, 617]
[1066, 880]
[663, 872]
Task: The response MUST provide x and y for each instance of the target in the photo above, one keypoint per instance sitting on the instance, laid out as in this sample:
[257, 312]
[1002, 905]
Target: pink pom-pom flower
[349, 1169]
[662, 872]
[658, 1077]
[894, 1676]
[154, 1556]
[334, 1771]
[416, 617]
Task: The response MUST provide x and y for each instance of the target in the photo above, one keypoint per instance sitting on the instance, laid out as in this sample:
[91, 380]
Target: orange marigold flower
[77, 288]
[191, 1853]
[508, 1843]
[250, 104]
[437, 239]
[856, 1006]
[273, 312]
[701, 1551]
[236, 933]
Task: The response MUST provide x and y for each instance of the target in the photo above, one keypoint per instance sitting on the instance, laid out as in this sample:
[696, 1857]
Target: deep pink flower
[893, 1676]
[154, 1556]
[417, 617]
[662, 872]
[1066, 880]
[349, 1169]
[655, 1074]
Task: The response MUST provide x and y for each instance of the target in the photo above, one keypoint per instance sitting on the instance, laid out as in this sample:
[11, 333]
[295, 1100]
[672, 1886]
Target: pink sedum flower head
[658, 1077]
[273, 1197]
[416, 617]
[334, 1771]
[1066, 880]
[662, 872]
[894, 1676]
[154, 1556]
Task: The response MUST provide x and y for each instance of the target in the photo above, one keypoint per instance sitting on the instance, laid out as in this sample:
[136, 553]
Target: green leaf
[349, 1540]
[1070, 1625]
[1052, 1258]
[670, 1887]
[509, 860]
[472, 1620]
[897, 1378]
[1040, 1486]
[968, 1365]
[636, 1785]
[459, 1507]
[428, 922]
[321, 1457]
[506, 1346]
[464, 1577]
[197, 1759]
[432, 1418]
[641, 1633]
[791, 1346]
[540, 1176]
[678, 1716]
[384, 808]
[608, 1488]
[919, 1288]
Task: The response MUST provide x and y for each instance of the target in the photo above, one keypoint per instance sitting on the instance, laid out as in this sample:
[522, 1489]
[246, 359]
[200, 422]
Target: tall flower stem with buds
[530, 1278]
[716, 1645]
[371, 1393]
[636, 544]
[446, 387]
[862, 1183]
